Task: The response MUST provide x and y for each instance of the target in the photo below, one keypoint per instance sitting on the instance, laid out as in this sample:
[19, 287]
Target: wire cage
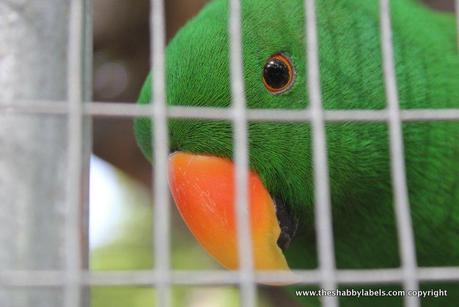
[77, 108]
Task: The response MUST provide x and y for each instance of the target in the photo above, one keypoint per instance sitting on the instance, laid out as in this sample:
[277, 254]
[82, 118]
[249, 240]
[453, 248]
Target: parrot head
[280, 183]
[201, 170]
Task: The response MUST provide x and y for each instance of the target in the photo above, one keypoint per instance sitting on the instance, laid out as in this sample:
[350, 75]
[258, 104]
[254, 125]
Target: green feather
[427, 70]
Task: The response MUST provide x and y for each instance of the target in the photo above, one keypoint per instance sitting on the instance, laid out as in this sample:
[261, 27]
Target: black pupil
[276, 74]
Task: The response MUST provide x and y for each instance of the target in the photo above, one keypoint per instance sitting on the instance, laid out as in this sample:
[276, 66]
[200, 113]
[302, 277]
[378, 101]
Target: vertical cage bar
[87, 142]
[401, 202]
[241, 152]
[73, 248]
[322, 207]
[87, 127]
[161, 150]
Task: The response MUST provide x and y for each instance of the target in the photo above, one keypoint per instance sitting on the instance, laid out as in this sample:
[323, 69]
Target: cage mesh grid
[73, 278]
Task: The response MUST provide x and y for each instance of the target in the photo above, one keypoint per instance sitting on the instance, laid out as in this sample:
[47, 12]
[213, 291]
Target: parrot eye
[278, 74]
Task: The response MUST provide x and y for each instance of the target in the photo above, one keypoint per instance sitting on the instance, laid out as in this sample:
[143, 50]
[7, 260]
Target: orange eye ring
[278, 74]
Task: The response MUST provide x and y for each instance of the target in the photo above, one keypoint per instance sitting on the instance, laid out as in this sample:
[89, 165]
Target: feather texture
[427, 71]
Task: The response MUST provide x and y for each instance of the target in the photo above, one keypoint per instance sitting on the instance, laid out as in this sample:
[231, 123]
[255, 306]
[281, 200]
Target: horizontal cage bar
[299, 277]
[130, 110]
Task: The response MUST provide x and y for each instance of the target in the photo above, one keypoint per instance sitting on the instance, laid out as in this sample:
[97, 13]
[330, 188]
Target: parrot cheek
[204, 192]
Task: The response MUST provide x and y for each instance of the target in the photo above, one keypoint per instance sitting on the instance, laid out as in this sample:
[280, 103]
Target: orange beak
[204, 192]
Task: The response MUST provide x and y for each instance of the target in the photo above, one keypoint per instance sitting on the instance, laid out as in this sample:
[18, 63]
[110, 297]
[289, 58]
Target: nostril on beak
[173, 149]
[173, 145]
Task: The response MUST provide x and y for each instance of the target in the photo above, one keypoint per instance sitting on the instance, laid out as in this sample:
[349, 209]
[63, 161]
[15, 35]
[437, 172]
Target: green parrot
[351, 76]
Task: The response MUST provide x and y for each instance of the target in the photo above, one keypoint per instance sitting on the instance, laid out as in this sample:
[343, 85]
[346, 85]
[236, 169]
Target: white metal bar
[39, 107]
[73, 249]
[241, 153]
[130, 110]
[13, 279]
[87, 81]
[160, 141]
[429, 115]
[323, 217]
[401, 202]
[87, 126]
